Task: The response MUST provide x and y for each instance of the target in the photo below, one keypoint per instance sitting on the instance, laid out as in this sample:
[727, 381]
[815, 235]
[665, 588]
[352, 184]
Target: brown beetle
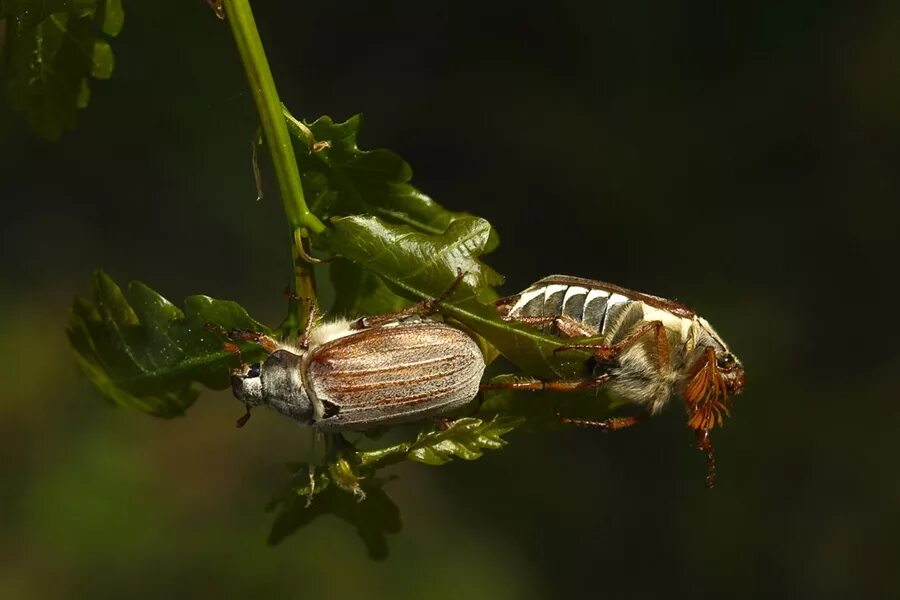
[361, 373]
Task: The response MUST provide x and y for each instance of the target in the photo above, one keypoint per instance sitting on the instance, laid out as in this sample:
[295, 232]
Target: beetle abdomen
[596, 309]
[396, 373]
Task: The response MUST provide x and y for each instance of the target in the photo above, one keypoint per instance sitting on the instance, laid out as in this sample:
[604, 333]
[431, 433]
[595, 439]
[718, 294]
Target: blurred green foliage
[51, 50]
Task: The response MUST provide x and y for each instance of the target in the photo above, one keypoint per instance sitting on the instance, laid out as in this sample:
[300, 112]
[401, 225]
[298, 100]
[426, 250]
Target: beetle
[650, 349]
[361, 373]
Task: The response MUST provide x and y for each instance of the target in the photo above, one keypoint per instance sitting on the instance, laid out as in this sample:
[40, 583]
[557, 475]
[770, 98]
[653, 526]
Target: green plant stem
[268, 105]
[249, 45]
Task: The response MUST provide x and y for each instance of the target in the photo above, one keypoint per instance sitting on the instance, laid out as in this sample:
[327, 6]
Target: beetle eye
[253, 371]
[726, 361]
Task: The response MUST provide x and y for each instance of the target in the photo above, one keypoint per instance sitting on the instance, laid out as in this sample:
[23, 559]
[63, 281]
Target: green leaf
[112, 18]
[464, 438]
[32, 12]
[53, 47]
[347, 486]
[360, 292]
[373, 513]
[141, 351]
[340, 179]
[421, 266]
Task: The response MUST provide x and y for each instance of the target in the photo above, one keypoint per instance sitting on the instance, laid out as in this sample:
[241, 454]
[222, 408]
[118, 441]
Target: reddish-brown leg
[611, 424]
[218, 7]
[423, 308]
[234, 349]
[558, 385]
[311, 317]
[565, 325]
[604, 352]
[704, 444]
[443, 423]
[244, 335]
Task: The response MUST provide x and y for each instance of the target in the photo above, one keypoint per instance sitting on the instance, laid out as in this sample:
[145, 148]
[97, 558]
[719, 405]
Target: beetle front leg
[244, 335]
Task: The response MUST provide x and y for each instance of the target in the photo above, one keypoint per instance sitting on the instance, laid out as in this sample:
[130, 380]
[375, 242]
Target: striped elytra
[346, 378]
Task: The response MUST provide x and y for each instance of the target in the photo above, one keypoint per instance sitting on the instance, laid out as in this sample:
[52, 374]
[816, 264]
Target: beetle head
[278, 383]
[731, 371]
[716, 376]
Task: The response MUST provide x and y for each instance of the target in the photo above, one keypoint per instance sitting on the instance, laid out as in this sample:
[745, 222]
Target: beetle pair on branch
[406, 366]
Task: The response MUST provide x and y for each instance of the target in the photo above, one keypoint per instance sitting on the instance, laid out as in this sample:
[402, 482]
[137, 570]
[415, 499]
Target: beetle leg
[234, 349]
[704, 444]
[242, 420]
[556, 385]
[218, 7]
[565, 325]
[304, 339]
[610, 424]
[228, 345]
[609, 352]
[311, 317]
[243, 335]
[311, 472]
[443, 423]
[423, 308]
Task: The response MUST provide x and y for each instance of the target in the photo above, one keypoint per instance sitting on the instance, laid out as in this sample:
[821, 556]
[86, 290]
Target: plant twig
[249, 45]
[268, 105]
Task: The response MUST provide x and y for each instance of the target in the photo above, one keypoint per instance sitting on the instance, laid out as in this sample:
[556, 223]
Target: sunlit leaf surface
[347, 487]
[424, 266]
[340, 179]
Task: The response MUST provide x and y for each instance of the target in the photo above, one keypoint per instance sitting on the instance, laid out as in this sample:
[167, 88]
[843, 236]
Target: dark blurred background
[744, 160]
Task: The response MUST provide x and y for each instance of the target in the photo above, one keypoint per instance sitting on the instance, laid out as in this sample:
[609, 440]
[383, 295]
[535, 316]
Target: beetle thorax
[641, 377]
